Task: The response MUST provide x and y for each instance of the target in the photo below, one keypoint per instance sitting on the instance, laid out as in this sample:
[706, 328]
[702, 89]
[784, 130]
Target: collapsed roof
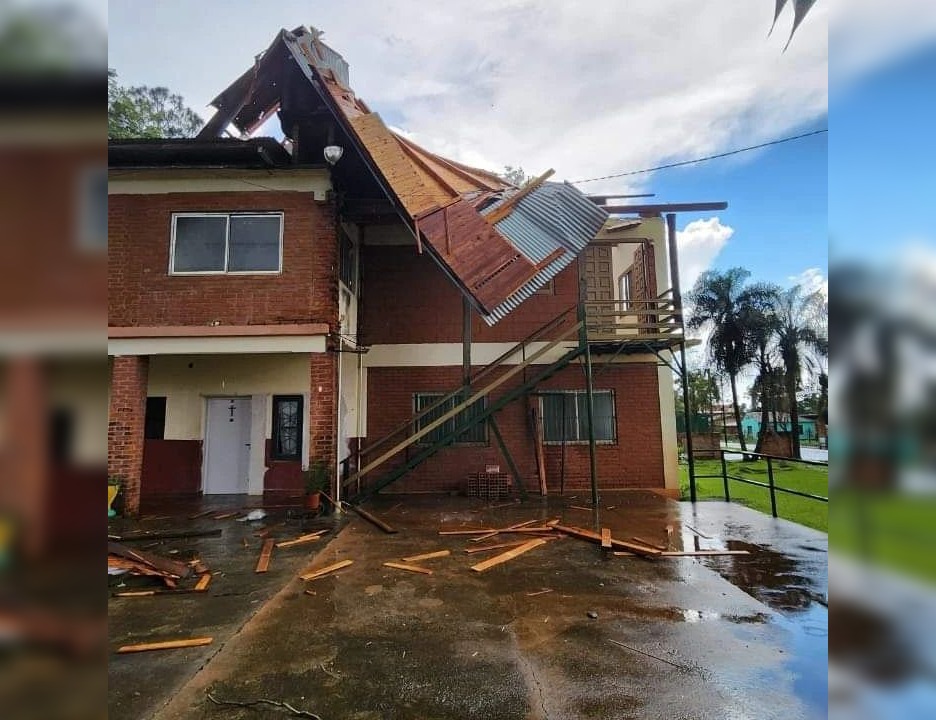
[499, 243]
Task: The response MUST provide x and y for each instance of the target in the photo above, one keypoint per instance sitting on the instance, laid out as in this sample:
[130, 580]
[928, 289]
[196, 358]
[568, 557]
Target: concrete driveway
[728, 637]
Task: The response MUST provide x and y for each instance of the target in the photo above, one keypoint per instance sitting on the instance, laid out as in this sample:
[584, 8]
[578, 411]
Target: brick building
[403, 318]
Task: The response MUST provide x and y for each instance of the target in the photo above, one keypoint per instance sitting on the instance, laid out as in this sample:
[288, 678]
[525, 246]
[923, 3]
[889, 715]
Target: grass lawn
[805, 478]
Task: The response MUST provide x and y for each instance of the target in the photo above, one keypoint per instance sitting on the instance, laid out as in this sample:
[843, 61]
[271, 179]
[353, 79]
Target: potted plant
[113, 487]
[316, 481]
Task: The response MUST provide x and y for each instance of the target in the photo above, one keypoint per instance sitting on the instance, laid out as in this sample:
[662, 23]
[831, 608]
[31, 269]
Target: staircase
[374, 475]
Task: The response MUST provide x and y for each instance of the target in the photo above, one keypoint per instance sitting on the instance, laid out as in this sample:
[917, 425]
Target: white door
[227, 445]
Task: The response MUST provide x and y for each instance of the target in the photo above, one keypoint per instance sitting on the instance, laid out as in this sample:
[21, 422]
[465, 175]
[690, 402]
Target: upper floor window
[211, 243]
[347, 260]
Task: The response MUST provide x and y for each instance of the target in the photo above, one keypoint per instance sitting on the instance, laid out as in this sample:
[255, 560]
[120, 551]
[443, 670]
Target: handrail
[481, 373]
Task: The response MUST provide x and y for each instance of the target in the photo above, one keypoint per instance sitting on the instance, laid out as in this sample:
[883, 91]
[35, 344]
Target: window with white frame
[565, 416]
[212, 243]
[475, 435]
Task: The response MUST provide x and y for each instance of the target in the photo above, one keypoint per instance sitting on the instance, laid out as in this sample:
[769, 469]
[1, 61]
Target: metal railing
[770, 485]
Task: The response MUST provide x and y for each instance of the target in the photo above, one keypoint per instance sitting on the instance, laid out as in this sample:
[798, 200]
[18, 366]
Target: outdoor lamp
[333, 153]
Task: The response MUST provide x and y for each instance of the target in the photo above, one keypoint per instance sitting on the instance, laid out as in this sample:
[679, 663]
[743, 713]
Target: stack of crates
[489, 486]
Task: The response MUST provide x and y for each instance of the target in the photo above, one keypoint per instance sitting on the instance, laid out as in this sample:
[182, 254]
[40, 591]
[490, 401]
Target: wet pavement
[717, 637]
[140, 683]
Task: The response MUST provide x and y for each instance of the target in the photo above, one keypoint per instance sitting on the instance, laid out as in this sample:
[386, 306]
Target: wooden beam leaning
[503, 210]
[165, 645]
[313, 574]
[374, 520]
[509, 555]
[583, 534]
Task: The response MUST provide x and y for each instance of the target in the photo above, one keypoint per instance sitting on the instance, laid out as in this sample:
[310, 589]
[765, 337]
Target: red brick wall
[129, 375]
[323, 408]
[635, 460]
[141, 291]
[427, 307]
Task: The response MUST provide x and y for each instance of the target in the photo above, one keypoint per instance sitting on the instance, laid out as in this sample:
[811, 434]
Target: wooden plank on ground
[495, 532]
[509, 555]
[498, 546]
[225, 516]
[411, 568]
[692, 553]
[311, 537]
[165, 645]
[263, 562]
[427, 556]
[374, 520]
[158, 562]
[312, 575]
[606, 538]
[642, 541]
[583, 534]
[203, 582]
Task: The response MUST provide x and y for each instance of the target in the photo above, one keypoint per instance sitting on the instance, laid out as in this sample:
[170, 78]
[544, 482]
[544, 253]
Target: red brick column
[323, 408]
[129, 377]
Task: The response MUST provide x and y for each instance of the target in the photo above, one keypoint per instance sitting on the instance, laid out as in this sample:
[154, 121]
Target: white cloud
[699, 244]
[811, 280]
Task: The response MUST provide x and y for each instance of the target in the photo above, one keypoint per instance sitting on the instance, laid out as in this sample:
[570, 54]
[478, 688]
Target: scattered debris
[509, 555]
[253, 516]
[170, 535]
[263, 701]
[592, 614]
[312, 575]
[539, 592]
[138, 562]
[374, 520]
[583, 534]
[203, 513]
[427, 556]
[498, 546]
[495, 532]
[203, 582]
[605, 538]
[263, 562]
[411, 568]
[649, 544]
[579, 507]
[684, 668]
[692, 553]
[693, 530]
[225, 516]
[311, 537]
[165, 645]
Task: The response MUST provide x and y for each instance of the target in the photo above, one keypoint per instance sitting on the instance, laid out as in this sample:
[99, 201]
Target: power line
[704, 159]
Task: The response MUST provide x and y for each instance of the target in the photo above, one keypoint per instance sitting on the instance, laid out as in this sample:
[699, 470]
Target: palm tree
[764, 325]
[800, 332]
[723, 302]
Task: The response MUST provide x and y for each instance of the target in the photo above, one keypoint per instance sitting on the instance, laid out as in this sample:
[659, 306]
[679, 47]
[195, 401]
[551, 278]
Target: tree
[516, 175]
[763, 326]
[800, 331]
[723, 302]
[703, 392]
[145, 112]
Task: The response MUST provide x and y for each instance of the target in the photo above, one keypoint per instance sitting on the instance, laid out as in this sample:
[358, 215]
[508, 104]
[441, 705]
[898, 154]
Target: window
[573, 406]
[287, 427]
[224, 243]
[347, 260]
[93, 209]
[477, 434]
[154, 425]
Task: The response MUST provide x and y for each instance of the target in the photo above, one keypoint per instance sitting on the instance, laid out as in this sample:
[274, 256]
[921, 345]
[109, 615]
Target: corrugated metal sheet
[553, 216]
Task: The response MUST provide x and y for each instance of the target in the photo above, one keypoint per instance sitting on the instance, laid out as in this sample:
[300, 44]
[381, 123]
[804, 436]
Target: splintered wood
[312, 575]
[165, 645]
[263, 563]
[411, 568]
[427, 556]
[509, 555]
[311, 537]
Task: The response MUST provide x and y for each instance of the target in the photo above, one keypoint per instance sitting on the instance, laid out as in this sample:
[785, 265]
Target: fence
[770, 485]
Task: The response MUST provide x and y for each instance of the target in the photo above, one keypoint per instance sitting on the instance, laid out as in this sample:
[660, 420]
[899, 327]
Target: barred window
[477, 434]
[287, 427]
[572, 405]
[347, 261]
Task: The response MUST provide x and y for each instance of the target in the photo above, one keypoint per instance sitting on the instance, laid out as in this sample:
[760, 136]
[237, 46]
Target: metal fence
[770, 485]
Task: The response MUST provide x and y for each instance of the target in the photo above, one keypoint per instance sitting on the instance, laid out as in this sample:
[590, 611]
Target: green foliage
[317, 477]
[515, 175]
[145, 112]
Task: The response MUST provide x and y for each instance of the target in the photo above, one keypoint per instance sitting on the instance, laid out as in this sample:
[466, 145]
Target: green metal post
[773, 493]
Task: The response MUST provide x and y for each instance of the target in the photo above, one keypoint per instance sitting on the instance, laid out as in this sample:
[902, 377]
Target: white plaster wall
[81, 387]
[668, 427]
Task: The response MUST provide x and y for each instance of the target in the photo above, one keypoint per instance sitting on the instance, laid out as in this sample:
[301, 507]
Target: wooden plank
[692, 553]
[504, 209]
[606, 538]
[157, 562]
[374, 520]
[427, 556]
[411, 568]
[495, 532]
[583, 534]
[203, 582]
[539, 452]
[311, 537]
[137, 593]
[170, 535]
[263, 562]
[225, 516]
[312, 575]
[509, 555]
[498, 546]
[642, 541]
[165, 645]
[203, 513]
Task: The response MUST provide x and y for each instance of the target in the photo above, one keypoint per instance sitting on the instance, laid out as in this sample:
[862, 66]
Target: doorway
[227, 446]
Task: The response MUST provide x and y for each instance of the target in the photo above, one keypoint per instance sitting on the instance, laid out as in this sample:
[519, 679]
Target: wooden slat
[427, 556]
[583, 534]
[165, 645]
[263, 562]
[606, 538]
[374, 520]
[495, 532]
[691, 553]
[543, 528]
[203, 583]
[509, 555]
[312, 575]
[538, 446]
[411, 568]
[311, 537]
[225, 516]
[643, 541]
[498, 546]
[505, 208]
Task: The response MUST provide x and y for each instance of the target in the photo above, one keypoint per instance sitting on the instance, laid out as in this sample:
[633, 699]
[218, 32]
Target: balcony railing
[612, 321]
